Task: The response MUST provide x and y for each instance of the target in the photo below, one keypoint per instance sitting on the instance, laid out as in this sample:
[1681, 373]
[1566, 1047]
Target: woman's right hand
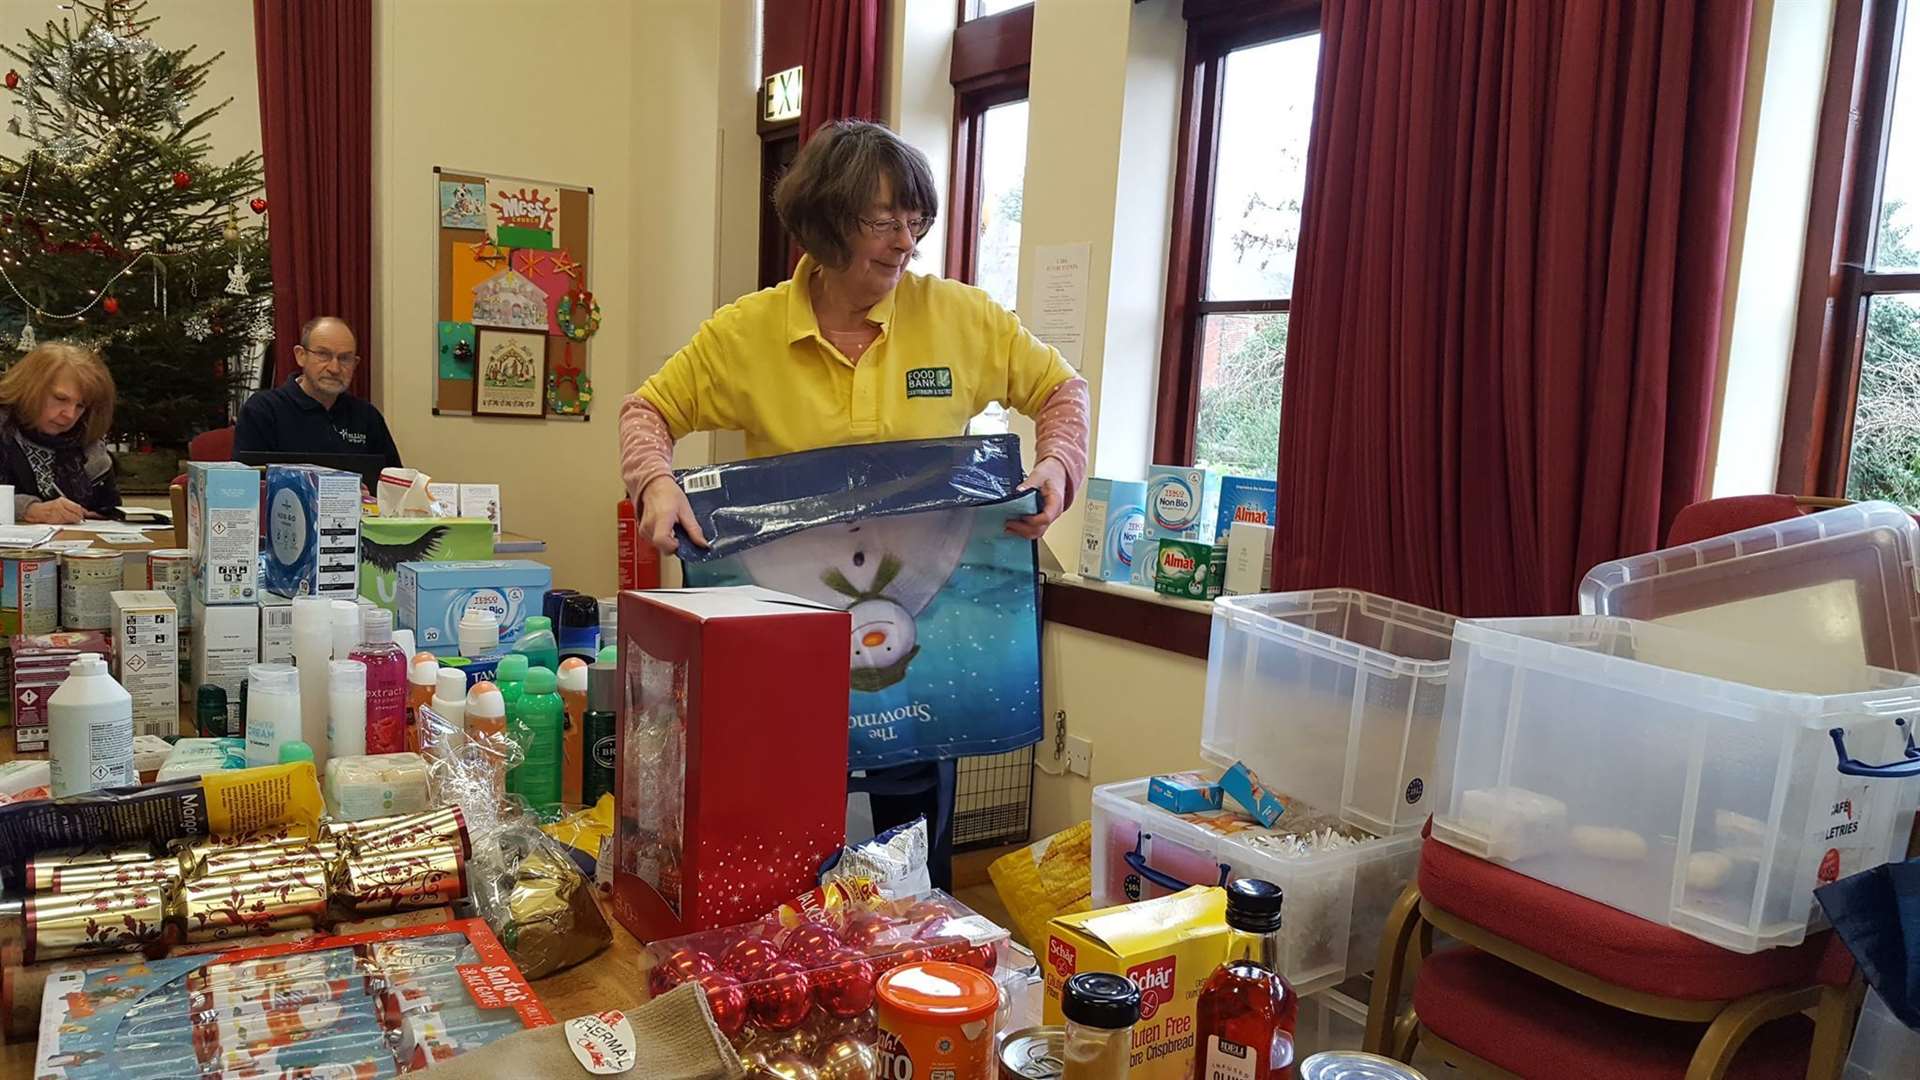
[56, 512]
[662, 506]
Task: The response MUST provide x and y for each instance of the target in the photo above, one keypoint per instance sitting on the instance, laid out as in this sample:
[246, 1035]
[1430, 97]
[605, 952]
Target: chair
[1718, 517]
[1547, 983]
[215, 445]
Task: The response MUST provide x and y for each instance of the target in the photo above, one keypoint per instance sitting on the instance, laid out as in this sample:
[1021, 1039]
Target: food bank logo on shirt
[357, 438]
[930, 382]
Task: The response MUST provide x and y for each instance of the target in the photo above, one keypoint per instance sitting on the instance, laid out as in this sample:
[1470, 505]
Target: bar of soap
[197, 757]
[1708, 870]
[1517, 823]
[1602, 842]
[376, 785]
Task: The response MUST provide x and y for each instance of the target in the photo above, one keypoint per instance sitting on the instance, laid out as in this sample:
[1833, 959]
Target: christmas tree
[119, 230]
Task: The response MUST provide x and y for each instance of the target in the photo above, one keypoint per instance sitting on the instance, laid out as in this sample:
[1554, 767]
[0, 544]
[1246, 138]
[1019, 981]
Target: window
[1003, 171]
[1853, 407]
[975, 9]
[1242, 174]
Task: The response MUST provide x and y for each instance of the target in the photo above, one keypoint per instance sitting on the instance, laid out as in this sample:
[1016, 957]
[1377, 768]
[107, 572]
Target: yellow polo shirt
[760, 365]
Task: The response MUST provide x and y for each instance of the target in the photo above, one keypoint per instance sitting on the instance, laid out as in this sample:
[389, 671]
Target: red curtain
[844, 62]
[1502, 349]
[316, 121]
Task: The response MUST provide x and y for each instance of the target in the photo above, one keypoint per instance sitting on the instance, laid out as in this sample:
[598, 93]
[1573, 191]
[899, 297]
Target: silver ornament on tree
[237, 277]
[197, 327]
[27, 340]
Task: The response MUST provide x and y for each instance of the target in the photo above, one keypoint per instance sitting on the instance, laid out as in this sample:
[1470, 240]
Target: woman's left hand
[1049, 478]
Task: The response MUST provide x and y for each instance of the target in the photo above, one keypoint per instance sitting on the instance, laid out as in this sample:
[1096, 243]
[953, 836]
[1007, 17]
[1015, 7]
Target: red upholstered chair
[215, 445]
[1550, 984]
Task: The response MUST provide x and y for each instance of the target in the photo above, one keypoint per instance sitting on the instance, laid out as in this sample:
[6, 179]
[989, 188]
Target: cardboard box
[385, 543]
[481, 501]
[276, 631]
[1184, 793]
[443, 500]
[1249, 568]
[432, 596]
[1185, 569]
[1166, 947]
[737, 699]
[37, 665]
[146, 657]
[224, 644]
[1243, 500]
[313, 531]
[223, 532]
[1113, 521]
[639, 560]
[1241, 785]
[1181, 503]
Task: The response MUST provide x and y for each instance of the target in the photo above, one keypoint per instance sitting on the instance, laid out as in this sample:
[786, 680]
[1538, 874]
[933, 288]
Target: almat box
[731, 783]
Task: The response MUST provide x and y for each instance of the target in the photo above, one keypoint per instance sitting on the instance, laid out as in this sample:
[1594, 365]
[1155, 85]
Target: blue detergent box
[432, 597]
[1114, 517]
[1242, 498]
[1242, 786]
[313, 532]
[1181, 503]
[1184, 793]
[223, 532]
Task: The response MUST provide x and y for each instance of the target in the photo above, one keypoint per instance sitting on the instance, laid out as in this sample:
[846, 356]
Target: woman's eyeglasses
[880, 228]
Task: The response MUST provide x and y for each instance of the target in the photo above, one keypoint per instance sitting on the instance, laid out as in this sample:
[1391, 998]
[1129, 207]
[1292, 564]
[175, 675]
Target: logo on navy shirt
[930, 382]
[357, 438]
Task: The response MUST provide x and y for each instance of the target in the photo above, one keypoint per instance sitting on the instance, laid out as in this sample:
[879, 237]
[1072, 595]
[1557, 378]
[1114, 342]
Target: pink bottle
[386, 682]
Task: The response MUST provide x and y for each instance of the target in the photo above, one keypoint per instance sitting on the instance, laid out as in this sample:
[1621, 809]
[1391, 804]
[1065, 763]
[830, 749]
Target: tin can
[376, 883]
[262, 902]
[29, 591]
[1354, 1065]
[116, 875]
[446, 825]
[1035, 1053]
[104, 920]
[936, 1020]
[169, 570]
[87, 579]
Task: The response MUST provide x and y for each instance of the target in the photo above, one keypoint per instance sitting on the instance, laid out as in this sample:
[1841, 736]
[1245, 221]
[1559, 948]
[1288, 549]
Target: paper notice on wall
[1060, 298]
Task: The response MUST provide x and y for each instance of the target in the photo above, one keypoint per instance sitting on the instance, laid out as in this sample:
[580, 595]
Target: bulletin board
[515, 316]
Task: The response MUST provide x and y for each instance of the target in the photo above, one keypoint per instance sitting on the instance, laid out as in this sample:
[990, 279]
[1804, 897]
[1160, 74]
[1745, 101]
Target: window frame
[992, 59]
[1215, 28]
[1829, 340]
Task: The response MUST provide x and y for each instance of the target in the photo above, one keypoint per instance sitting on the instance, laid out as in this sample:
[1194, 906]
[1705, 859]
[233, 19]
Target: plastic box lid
[1841, 583]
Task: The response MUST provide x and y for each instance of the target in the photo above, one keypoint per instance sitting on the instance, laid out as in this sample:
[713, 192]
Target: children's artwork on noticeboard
[511, 374]
[507, 250]
[463, 206]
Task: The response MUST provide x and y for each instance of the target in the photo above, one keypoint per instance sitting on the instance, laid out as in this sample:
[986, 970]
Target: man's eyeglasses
[879, 228]
[327, 356]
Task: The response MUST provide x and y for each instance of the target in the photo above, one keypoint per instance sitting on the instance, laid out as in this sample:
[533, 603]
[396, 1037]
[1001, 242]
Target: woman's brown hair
[25, 387]
[837, 174]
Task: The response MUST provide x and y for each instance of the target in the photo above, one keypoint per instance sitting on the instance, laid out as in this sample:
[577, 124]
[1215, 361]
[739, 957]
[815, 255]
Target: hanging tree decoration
[27, 340]
[197, 327]
[237, 276]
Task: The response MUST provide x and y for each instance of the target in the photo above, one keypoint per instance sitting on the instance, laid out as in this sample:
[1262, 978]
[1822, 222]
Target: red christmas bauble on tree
[846, 988]
[726, 1000]
[748, 957]
[782, 998]
[258, 206]
[182, 179]
[111, 305]
[13, 80]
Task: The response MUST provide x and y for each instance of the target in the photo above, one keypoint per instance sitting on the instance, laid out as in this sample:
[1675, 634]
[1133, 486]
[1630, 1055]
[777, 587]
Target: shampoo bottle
[386, 683]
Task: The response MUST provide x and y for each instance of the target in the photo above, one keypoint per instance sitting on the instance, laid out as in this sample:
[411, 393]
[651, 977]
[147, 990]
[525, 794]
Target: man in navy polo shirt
[312, 413]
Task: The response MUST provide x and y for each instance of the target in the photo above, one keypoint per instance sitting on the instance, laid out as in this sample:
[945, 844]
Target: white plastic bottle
[346, 708]
[273, 711]
[345, 624]
[89, 730]
[312, 648]
[450, 698]
[479, 635]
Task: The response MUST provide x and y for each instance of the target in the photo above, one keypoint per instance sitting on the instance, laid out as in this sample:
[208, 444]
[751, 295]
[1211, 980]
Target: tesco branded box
[313, 532]
[1181, 503]
[433, 596]
[1114, 519]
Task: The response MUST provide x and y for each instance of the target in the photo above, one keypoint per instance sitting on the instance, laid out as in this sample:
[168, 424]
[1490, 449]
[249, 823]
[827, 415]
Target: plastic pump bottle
[386, 683]
[537, 730]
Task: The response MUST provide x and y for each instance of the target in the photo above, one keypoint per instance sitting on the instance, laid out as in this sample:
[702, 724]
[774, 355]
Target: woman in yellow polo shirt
[855, 349]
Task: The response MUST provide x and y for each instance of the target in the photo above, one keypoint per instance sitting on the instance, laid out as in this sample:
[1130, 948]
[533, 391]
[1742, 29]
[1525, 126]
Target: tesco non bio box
[224, 644]
[731, 783]
[223, 531]
[1115, 516]
[146, 657]
[1181, 503]
[431, 597]
[1166, 947]
[313, 531]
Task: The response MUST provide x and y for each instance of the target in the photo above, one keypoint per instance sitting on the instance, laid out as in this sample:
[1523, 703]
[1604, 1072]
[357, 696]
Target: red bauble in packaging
[985, 957]
[726, 1000]
[782, 998]
[748, 958]
[924, 910]
[865, 932]
[677, 967]
[900, 958]
[845, 988]
[809, 943]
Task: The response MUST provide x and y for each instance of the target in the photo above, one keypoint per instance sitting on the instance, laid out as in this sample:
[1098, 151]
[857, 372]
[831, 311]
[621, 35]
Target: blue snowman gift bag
[910, 537]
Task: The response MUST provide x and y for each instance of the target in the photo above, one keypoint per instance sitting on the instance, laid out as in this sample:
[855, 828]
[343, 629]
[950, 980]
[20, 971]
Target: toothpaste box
[313, 531]
[1114, 518]
[146, 656]
[1185, 569]
[1181, 503]
[432, 596]
[1184, 793]
[1241, 785]
[223, 531]
[1167, 947]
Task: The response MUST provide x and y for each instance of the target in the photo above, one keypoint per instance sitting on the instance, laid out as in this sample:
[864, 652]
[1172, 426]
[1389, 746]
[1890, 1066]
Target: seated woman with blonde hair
[56, 404]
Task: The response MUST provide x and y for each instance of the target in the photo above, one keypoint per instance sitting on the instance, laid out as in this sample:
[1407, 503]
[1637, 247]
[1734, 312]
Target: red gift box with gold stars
[731, 777]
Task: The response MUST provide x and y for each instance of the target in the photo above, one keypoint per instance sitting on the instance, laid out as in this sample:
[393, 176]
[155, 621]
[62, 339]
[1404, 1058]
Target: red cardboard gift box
[732, 764]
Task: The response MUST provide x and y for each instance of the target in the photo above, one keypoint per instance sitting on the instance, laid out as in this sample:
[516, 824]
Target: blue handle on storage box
[1138, 861]
[1897, 770]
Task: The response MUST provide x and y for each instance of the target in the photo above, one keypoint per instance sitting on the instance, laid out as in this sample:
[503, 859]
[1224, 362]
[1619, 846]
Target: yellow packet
[585, 830]
[242, 800]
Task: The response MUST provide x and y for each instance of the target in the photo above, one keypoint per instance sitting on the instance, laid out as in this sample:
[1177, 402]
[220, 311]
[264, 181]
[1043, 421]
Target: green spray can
[598, 727]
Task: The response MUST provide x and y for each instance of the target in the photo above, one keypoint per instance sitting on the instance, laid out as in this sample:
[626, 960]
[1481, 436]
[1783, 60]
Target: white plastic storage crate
[1329, 1020]
[1336, 901]
[1333, 696]
[1680, 777]
[1883, 1047]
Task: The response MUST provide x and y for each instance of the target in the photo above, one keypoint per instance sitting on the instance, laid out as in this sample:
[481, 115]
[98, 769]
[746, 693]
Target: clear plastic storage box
[1334, 698]
[1883, 1047]
[1682, 777]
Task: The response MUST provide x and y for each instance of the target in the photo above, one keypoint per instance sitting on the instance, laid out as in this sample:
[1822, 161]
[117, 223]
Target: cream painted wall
[919, 101]
[211, 27]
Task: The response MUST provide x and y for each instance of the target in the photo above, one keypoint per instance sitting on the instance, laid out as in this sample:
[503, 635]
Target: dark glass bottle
[1247, 1012]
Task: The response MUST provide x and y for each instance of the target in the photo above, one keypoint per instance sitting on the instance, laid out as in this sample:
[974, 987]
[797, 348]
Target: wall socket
[1080, 756]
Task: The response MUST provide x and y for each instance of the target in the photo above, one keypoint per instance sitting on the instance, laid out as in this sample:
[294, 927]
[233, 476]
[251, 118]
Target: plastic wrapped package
[654, 770]
[1045, 879]
[895, 861]
[539, 902]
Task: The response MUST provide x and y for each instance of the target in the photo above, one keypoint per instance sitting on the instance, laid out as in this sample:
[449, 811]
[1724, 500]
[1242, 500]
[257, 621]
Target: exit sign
[782, 96]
